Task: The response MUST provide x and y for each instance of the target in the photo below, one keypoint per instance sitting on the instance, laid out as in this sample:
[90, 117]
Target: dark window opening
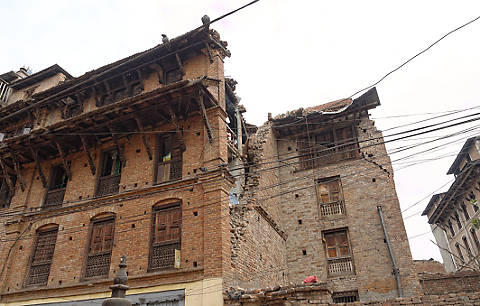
[166, 236]
[57, 187]
[457, 219]
[465, 212]
[327, 147]
[5, 193]
[173, 75]
[110, 173]
[459, 251]
[42, 256]
[475, 238]
[450, 226]
[100, 248]
[169, 162]
[345, 297]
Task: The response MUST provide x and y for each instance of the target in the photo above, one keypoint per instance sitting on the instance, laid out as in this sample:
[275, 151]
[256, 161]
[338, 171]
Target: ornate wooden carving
[42, 257]
[6, 175]
[178, 132]
[17, 170]
[100, 248]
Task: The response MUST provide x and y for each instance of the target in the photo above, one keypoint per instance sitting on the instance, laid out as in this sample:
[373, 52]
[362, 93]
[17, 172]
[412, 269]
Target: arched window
[475, 238]
[166, 235]
[42, 256]
[100, 245]
[459, 251]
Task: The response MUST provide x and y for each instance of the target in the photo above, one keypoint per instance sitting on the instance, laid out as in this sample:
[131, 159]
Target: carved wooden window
[338, 253]
[166, 236]
[100, 247]
[330, 196]
[169, 162]
[42, 256]
[57, 187]
[5, 192]
[328, 146]
[110, 173]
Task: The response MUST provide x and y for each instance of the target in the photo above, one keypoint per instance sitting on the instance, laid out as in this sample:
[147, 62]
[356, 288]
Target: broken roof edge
[433, 199]
[367, 100]
[40, 76]
[465, 148]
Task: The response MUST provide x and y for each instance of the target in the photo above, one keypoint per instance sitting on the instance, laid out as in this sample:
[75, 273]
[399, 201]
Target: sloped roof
[39, 76]
[367, 100]
[463, 152]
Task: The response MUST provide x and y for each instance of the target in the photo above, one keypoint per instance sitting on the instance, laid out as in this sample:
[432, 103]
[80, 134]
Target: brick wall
[428, 266]
[450, 283]
[320, 294]
[367, 182]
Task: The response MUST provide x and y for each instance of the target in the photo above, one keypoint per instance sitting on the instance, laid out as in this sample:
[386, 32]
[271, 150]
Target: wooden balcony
[108, 185]
[332, 208]
[340, 266]
[54, 198]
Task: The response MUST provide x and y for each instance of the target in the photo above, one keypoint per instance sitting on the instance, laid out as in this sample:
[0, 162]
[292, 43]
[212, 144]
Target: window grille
[327, 147]
[42, 257]
[57, 187]
[330, 197]
[100, 248]
[169, 162]
[166, 236]
[345, 297]
[110, 174]
[338, 253]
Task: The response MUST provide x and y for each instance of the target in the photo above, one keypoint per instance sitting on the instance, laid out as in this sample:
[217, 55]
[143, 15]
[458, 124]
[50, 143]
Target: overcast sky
[286, 55]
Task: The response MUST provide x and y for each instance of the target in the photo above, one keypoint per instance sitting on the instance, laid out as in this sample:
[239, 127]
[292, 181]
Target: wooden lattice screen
[100, 248]
[42, 257]
[167, 224]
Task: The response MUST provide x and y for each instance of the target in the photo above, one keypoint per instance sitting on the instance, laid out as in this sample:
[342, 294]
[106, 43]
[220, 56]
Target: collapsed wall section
[258, 244]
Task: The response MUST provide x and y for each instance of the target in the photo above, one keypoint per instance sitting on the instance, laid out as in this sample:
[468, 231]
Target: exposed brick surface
[450, 283]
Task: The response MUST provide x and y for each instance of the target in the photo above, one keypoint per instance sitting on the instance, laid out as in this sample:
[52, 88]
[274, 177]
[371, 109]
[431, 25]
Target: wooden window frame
[173, 159]
[311, 156]
[331, 208]
[174, 204]
[103, 218]
[49, 187]
[101, 168]
[332, 259]
[44, 230]
[6, 190]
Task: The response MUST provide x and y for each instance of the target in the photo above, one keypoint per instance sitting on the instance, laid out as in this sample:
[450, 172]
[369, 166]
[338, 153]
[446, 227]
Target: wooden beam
[7, 176]
[174, 121]
[87, 153]
[204, 117]
[17, 170]
[179, 62]
[37, 162]
[144, 138]
[209, 52]
[117, 145]
[66, 166]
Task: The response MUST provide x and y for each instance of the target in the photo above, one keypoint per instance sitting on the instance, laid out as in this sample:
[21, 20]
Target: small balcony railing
[340, 266]
[169, 171]
[108, 185]
[54, 198]
[332, 208]
[98, 264]
[163, 256]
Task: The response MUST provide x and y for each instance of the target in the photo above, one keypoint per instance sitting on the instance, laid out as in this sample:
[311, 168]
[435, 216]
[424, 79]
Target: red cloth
[310, 279]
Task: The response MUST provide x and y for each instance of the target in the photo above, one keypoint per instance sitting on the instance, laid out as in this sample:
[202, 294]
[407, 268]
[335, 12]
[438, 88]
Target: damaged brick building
[131, 158]
[320, 200]
[150, 157]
